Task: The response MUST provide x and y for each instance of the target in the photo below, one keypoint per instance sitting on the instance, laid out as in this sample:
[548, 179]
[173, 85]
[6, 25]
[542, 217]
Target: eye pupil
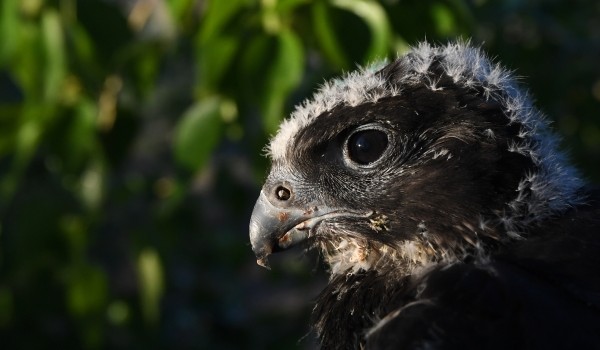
[366, 146]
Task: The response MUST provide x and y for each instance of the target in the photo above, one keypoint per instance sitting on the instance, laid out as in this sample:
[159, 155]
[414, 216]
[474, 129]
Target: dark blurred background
[131, 134]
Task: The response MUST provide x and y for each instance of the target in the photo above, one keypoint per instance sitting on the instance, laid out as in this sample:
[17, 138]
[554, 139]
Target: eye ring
[367, 145]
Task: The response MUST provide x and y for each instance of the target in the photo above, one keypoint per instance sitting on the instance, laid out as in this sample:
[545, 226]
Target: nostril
[282, 193]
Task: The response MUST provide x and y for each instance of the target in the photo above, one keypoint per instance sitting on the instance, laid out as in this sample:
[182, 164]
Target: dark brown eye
[366, 146]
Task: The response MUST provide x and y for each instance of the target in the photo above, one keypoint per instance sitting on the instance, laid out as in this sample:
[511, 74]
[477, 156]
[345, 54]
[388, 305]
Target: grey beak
[274, 228]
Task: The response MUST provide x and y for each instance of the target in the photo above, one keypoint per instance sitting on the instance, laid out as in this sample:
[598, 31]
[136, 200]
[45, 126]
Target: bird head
[436, 155]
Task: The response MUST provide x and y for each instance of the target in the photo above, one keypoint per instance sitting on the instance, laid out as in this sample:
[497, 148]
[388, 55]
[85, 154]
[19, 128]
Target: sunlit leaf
[150, 273]
[31, 8]
[9, 28]
[54, 54]
[91, 185]
[197, 133]
[180, 8]
[28, 66]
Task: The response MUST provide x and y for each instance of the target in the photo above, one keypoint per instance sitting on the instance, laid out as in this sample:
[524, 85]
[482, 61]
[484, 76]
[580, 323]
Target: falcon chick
[447, 215]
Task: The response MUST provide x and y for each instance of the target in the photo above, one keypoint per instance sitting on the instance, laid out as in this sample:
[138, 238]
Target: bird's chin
[306, 233]
[298, 236]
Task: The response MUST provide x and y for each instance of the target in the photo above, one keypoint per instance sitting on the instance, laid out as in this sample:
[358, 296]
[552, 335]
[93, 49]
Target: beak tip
[264, 262]
[262, 252]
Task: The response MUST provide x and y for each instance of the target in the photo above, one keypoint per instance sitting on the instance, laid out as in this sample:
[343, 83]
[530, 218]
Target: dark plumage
[438, 197]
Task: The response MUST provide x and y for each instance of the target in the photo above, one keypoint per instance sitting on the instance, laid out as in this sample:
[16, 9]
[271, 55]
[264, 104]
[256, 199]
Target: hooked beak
[274, 228]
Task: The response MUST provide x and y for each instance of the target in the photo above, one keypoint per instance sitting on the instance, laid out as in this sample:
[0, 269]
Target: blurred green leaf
[198, 132]
[6, 306]
[151, 283]
[284, 74]
[118, 313]
[79, 133]
[216, 16]
[88, 288]
[214, 60]
[147, 68]
[180, 8]
[75, 231]
[83, 53]
[28, 65]
[27, 138]
[9, 29]
[326, 36]
[87, 297]
[54, 54]
[373, 14]
[108, 28]
[444, 19]
[91, 185]
[286, 6]
[9, 124]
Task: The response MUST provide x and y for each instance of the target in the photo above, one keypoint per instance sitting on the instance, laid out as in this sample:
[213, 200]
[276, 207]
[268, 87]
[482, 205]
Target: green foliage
[130, 142]
[198, 133]
[151, 284]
